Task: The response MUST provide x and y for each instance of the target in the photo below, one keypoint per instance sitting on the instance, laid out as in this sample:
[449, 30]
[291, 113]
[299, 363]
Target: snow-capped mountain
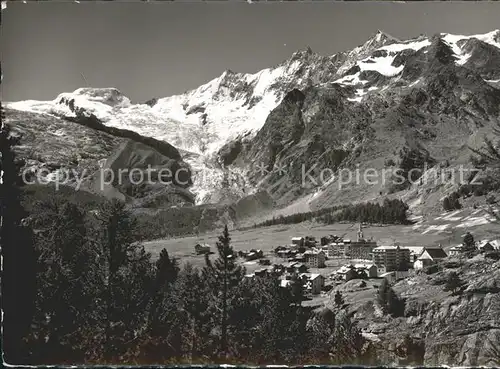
[234, 107]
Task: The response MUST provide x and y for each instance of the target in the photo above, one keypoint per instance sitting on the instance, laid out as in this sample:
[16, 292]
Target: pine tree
[167, 269]
[453, 283]
[388, 300]
[280, 326]
[66, 284]
[223, 277]
[193, 299]
[339, 299]
[126, 278]
[468, 243]
[347, 340]
[297, 289]
[18, 256]
[393, 303]
[447, 204]
[490, 155]
[165, 324]
[382, 294]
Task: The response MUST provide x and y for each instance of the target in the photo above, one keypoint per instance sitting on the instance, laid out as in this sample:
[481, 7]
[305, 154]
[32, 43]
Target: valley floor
[268, 238]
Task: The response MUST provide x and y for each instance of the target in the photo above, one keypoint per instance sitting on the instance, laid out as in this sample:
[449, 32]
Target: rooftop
[285, 282]
[435, 253]
[494, 243]
[385, 248]
[366, 266]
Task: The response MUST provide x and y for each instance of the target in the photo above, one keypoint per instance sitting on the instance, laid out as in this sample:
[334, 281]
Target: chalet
[278, 269]
[310, 241]
[333, 238]
[485, 246]
[298, 241]
[295, 267]
[313, 283]
[346, 273]
[280, 248]
[202, 248]
[286, 253]
[285, 282]
[428, 257]
[254, 255]
[369, 269]
[360, 270]
[265, 262]
[456, 250]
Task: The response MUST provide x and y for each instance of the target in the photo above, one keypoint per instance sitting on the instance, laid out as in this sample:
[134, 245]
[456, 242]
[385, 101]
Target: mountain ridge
[216, 125]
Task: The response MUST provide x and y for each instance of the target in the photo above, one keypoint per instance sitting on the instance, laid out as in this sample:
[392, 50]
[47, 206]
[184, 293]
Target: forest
[389, 212]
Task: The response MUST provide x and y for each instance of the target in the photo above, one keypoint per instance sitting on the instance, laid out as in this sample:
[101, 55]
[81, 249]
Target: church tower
[360, 233]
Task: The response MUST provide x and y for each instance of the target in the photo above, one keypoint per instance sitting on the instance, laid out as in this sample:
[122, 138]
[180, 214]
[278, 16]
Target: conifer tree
[387, 299]
[192, 298]
[490, 155]
[66, 284]
[126, 277]
[469, 244]
[453, 283]
[297, 289]
[348, 341]
[339, 299]
[223, 277]
[18, 257]
[167, 269]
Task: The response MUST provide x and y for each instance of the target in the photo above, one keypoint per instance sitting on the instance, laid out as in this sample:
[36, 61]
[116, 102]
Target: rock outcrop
[440, 328]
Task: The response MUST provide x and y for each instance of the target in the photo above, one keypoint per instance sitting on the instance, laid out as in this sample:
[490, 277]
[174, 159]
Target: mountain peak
[304, 52]
[380, 36]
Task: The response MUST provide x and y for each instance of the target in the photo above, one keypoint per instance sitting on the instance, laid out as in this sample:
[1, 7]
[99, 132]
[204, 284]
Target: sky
[158, 49]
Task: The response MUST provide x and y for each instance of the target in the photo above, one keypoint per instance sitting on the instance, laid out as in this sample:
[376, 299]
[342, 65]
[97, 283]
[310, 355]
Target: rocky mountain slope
[74, 153]
[417, 104]
[386, 104]
[436, 327]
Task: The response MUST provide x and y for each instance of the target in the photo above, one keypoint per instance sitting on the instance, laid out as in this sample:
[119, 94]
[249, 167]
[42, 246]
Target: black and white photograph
[250, 183]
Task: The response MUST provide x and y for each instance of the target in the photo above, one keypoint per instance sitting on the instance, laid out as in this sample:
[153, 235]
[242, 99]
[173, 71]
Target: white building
[313, 282]
[486, 245]
[389, 258]
[455, 250]
[298, 241]
[370, 269]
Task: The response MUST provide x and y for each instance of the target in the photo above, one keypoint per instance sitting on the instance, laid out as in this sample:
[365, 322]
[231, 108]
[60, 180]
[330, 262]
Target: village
[334, 260]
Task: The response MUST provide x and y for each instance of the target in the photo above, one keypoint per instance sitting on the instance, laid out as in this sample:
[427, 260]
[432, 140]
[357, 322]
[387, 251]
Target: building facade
[390, 258]
[428, 257]
[359, 249]
[314, 259]
[313, 283]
